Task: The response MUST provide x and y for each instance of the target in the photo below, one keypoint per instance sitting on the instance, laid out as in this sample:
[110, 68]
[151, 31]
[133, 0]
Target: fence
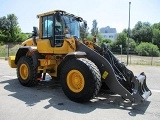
[139, 60]
[7, 50]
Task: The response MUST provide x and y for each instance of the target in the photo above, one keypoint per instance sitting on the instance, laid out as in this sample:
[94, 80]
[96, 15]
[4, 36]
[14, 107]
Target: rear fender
[22, 51]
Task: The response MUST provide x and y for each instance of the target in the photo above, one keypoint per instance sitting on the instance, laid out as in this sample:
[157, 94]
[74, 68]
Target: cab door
[52, 37]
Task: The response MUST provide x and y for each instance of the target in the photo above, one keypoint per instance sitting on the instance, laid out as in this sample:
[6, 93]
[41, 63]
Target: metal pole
[121, 52]
[130, 58]
[128, 34]
[152, 57]
[7, 51]
[152, 54]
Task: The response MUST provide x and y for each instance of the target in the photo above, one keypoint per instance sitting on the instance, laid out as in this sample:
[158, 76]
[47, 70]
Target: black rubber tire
[32, 72]
[92, 78]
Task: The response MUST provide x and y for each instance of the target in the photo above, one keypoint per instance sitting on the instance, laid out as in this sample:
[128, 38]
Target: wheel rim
[75, 81]
[24, 71]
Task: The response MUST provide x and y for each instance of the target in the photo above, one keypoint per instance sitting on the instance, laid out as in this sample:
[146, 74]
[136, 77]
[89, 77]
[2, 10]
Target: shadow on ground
[52, 92]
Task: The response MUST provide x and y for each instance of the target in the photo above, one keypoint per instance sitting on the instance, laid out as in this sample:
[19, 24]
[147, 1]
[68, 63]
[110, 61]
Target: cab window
[47, 26]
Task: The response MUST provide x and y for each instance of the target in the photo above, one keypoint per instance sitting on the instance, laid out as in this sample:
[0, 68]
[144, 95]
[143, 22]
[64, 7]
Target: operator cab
[57, 25]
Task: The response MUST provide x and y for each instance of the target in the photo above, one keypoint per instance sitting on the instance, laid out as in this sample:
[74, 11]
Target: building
[109, 33]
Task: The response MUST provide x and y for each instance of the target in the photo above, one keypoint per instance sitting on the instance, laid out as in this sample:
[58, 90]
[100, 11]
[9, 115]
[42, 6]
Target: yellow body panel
[11, 61]
[44, 46]
[69, 45]
[48, 64]
[28, 42]
[45, 62]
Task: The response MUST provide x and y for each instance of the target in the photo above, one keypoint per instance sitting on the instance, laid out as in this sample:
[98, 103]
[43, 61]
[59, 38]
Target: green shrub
[90, 37]
[147, 49]
[1, 43]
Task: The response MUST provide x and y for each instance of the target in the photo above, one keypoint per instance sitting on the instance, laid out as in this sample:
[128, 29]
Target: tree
[10, 31]
[142, 32]
[122, 40]
[100, 38]
[156, 37]
[156, 26]
[126, 31]
[106, 41]
[3, 29]
[83, 31]
[94, 29]
[156, 34]
[12, 26]
[2, 37]
[132, 44]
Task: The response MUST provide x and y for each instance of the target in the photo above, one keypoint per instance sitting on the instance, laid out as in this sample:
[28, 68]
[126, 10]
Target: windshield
[73, 25]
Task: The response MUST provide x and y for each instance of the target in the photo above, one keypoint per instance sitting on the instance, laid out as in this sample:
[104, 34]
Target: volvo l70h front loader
[81, 66]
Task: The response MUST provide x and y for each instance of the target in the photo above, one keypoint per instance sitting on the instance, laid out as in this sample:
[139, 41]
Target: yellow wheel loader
[81, 66]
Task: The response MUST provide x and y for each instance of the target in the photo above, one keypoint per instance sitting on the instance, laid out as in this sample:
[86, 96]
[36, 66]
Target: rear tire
[80, 79]
[26, 72]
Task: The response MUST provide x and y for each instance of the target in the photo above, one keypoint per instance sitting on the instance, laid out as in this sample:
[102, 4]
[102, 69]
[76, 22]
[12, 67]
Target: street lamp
[128, 34]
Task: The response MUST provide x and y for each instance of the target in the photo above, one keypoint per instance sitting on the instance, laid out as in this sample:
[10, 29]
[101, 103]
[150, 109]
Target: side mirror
[35, 31]
[34, 34]
[85, 24]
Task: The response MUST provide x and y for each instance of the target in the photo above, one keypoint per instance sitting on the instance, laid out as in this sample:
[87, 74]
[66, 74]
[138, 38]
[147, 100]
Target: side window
[47, 26]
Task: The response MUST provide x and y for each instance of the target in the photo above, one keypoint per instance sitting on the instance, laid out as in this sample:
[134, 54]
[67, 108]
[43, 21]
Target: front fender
[69, 56]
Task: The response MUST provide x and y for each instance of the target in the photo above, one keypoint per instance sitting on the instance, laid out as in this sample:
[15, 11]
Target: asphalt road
[48, 102]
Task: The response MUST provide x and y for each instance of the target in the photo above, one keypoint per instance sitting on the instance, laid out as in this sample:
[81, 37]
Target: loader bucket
[140, 89]
[117, 77]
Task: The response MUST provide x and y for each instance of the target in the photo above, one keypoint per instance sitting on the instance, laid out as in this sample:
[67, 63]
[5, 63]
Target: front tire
[26, 72]
[80, 79]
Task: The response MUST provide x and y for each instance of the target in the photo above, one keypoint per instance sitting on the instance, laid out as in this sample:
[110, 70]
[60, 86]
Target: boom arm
[118, 78]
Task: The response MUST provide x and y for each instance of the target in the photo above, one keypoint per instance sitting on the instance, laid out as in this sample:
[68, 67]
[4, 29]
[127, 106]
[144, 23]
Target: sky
[113, 13]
